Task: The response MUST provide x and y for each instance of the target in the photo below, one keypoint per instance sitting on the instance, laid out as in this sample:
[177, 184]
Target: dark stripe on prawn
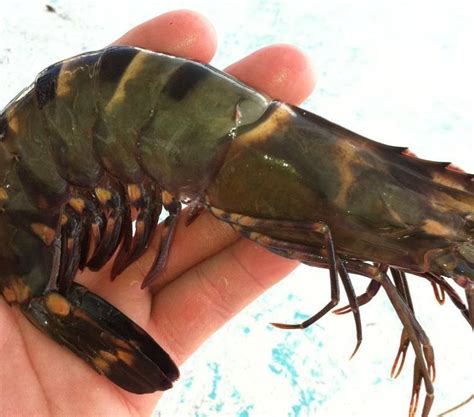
[3, 125]
[46, 84]
[113, 65]
[184, 80]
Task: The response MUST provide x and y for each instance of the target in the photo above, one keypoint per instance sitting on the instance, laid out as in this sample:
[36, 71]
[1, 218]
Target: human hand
[210, 276]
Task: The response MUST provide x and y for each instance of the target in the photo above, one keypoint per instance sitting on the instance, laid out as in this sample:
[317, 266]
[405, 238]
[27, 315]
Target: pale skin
[210, 276]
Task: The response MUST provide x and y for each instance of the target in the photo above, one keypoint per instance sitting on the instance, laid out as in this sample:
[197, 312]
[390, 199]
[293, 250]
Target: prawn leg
[452, 294]
[364, 298]
[146, 200]
[173, 207]
[424, 365]
[415, 333]
[325, 258]
[111, 198]
[401, 284]
[439, 284]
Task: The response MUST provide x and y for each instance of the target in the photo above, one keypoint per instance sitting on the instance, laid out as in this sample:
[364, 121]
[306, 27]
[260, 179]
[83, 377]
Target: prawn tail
[104, 337]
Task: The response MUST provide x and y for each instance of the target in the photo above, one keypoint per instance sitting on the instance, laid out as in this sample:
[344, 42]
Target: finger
[291, 80]
[281, 71]
[191, 308]
[182, 33]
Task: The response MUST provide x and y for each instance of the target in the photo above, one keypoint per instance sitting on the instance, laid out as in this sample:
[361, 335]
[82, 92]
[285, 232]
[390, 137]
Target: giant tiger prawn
[100, 143]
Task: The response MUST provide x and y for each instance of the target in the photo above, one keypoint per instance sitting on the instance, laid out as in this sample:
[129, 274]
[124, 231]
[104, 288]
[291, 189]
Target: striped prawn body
[100, 143]
[79, 154]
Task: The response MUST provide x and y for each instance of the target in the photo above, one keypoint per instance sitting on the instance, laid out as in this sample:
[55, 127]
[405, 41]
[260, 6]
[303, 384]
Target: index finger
[181, 33]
